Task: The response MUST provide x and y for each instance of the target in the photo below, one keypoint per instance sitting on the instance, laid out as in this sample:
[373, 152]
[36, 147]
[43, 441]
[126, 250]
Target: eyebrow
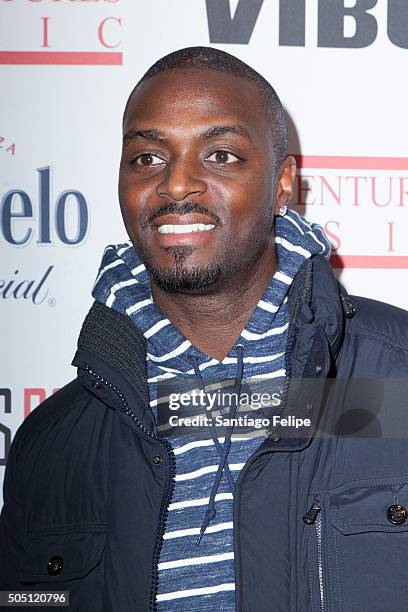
[153, 135]
[217, 130]
[220, 130]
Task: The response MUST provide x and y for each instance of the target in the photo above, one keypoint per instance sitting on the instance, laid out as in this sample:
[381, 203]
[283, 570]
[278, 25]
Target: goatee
[182, 278]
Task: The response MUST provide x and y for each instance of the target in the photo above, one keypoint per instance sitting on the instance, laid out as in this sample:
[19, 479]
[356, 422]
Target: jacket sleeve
[12, 530]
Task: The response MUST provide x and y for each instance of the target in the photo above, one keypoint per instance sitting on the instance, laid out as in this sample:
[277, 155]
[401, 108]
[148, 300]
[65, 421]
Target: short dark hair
[208, 58]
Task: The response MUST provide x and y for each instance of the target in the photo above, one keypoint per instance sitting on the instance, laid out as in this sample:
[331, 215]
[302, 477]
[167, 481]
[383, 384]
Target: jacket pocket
[62, 553]
[369, 549]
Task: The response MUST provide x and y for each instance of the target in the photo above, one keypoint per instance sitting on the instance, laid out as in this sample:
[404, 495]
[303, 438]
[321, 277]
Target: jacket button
[96, 385]
[157, 460]
[55, 565]
[275, 437]
[397, 514]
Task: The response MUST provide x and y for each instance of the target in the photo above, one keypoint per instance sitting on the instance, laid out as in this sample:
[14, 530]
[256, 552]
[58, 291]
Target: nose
[181, 181]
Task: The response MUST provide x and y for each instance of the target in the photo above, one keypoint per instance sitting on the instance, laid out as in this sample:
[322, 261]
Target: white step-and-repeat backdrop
[66, 68]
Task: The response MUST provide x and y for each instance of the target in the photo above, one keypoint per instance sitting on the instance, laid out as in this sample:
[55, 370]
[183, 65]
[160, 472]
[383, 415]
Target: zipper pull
[348, 308]
[311, 516]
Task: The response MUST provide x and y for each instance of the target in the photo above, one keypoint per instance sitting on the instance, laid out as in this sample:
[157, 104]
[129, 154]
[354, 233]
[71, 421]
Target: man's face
[198, 180]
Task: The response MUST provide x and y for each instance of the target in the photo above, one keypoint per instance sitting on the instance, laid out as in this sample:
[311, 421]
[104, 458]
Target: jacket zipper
[314, 518]
[169, 490]
[241, 475]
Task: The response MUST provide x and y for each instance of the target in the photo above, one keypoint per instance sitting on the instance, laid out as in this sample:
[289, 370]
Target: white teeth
[184, 229]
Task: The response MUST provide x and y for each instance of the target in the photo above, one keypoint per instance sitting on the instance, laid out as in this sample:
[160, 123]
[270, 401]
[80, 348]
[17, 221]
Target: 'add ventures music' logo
[60, 32]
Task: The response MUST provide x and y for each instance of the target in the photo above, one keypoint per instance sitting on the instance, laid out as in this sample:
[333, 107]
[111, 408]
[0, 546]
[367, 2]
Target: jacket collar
[315, 298]
[111, 361]
[113, 350]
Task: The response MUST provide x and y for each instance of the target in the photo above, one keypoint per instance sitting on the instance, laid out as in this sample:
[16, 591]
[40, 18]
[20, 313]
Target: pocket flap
[56, 554]
[364, 507]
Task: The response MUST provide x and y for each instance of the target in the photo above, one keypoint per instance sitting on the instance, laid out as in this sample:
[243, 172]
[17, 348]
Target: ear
[284, 187]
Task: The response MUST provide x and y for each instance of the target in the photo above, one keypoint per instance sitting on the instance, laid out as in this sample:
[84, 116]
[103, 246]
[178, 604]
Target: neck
[213, 322]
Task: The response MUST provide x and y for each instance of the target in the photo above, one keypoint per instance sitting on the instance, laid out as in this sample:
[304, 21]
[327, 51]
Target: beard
[234, 260]
[181, 278]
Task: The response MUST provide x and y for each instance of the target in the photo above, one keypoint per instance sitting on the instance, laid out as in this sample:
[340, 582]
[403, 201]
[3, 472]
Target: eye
[148, 159]
[222, 157]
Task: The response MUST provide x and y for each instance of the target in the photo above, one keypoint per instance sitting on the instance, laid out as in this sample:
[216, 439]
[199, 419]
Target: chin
[183, 279]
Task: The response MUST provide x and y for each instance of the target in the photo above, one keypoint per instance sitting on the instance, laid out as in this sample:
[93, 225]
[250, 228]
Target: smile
[184, 228]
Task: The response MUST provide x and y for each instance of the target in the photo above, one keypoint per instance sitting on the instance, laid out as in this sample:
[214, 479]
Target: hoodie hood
[123, 284]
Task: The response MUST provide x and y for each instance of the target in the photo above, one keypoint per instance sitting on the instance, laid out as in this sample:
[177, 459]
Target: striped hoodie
[201, 577]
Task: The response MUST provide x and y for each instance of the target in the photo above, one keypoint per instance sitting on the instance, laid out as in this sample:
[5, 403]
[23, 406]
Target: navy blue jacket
[320, 519]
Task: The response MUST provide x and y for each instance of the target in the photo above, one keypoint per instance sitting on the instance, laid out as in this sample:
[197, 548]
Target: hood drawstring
[223, 449]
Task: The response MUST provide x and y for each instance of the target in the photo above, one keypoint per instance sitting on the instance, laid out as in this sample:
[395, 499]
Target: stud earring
[282, 210]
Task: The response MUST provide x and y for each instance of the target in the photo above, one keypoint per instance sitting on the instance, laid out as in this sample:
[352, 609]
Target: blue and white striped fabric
[201, 577]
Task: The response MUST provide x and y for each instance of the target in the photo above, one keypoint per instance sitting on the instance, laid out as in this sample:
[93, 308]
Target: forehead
[199, 96]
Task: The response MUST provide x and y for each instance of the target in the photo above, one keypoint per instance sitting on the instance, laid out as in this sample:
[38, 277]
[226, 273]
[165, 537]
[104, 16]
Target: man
[219, 281]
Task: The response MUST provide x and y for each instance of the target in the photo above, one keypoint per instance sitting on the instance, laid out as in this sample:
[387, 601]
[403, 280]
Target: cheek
[250, 221]
[253, 195]
[133, 196]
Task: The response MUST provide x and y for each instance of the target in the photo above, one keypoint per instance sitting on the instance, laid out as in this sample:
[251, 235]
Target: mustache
[181, 208]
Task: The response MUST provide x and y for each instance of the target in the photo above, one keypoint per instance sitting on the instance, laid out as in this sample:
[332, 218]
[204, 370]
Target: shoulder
[53, 412]
[381, 321]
